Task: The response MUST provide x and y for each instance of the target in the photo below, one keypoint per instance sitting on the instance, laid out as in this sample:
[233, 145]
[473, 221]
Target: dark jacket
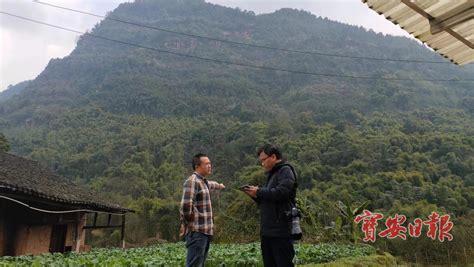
[274, 199]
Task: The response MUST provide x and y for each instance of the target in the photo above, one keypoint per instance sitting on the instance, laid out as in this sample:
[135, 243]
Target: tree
[4, 145]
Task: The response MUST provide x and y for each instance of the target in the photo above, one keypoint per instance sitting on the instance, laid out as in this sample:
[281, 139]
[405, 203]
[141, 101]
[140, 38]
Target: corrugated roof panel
[382, 4]
[418, 24]
[442, 42]
[466, 30]
[406, 16]
[437, 9]
[395, 12]
[469, 58]
[440, 8]
[414, 19]
[422, 29]
[465, 56]
[453, 48]
[457, 50]
[388, 5]
[454, 42]
[459, 56]
[463, 61]
[379, 4]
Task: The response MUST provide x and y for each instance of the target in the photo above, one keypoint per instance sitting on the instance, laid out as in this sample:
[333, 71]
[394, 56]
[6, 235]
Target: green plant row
[175, 254]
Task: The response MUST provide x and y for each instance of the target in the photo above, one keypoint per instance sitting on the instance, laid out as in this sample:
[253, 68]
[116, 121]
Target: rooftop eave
[450, 33]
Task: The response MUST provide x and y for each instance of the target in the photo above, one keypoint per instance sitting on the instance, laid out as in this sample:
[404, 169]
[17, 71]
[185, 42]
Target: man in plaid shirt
[196, 211]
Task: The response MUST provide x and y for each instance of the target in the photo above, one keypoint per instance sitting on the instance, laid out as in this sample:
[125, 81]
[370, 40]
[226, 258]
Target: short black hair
[197, 160]
[270, 150]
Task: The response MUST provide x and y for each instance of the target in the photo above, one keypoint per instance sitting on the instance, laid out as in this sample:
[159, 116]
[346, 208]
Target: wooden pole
[465, 255]
[122, 238]
[449, 259]
[82, 220]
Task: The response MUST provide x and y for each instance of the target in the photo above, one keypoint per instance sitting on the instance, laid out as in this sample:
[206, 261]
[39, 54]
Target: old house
[42, 212]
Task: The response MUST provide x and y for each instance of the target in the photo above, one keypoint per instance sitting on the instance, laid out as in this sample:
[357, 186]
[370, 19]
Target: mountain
[121, 78]
[13, 90]
[126, 119]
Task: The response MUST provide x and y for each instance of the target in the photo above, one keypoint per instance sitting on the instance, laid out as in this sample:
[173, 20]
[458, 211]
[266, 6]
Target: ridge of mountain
[13, 90]
[121, 78]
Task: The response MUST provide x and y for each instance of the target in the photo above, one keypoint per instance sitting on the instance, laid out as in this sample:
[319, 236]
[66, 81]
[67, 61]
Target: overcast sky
[26, 47]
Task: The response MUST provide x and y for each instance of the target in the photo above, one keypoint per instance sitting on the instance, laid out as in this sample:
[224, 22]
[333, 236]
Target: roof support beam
[416, 8]
[456, 12]
[460, 38]
[455, 17]
[122, 233]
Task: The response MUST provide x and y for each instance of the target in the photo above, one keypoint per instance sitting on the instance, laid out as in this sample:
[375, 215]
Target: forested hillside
[125, 120]
[13, 90]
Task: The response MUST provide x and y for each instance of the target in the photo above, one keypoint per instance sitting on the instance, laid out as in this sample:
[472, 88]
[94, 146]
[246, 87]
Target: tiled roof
[28, 177]
[445, 26]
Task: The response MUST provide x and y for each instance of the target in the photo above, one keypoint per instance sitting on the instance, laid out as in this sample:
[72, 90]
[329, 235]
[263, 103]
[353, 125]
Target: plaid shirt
[196, 207]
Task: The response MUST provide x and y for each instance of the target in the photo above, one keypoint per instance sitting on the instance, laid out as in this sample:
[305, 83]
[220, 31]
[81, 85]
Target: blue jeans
[198, 246]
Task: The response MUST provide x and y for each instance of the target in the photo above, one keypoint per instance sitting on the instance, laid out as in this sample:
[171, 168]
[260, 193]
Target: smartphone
[244, 187]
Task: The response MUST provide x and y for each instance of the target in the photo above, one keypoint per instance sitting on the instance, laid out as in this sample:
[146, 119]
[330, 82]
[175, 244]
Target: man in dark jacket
[274, 200]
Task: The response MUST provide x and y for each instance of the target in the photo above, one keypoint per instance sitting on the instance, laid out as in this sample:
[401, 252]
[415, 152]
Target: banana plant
[345, 221]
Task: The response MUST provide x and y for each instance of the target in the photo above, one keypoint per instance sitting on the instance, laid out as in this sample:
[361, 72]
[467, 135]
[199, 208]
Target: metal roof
[447, 26]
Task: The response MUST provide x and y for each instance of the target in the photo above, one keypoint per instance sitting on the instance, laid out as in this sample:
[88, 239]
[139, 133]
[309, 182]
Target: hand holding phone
[244, 187]
[250, 190]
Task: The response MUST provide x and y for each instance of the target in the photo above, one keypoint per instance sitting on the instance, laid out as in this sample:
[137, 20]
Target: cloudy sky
[26, 47]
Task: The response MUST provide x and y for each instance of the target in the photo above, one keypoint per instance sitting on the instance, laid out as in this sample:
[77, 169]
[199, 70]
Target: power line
[58, 211]
[229, 62]
[240, 43]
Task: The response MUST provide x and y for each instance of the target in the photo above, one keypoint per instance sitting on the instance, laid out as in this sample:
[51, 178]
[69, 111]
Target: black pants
[277, 251]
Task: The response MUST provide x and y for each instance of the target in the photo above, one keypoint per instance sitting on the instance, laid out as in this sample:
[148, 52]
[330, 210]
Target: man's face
[205, 168]
[267, 161]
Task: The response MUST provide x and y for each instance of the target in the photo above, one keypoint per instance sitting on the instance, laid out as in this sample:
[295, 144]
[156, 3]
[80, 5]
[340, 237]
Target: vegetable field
[175, 254]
